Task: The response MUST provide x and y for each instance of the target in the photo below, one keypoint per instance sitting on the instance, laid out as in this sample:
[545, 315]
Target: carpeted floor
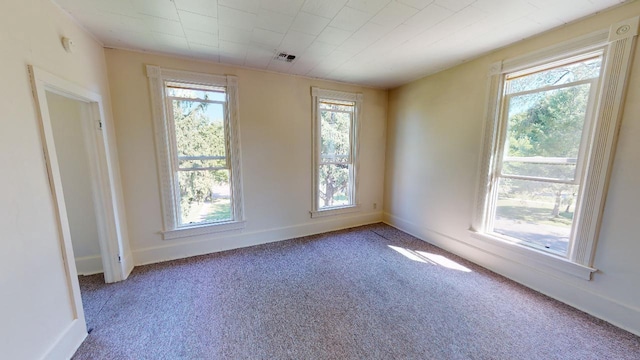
[371, 292]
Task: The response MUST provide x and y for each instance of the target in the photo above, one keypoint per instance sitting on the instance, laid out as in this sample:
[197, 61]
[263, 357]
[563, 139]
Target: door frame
[110, 228]
[99, 164]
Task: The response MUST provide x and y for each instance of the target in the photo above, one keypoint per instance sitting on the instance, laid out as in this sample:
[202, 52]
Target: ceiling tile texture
[380, 43]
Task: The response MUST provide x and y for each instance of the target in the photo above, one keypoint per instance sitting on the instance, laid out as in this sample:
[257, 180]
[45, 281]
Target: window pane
[569, 73]
[550, 171]
[536, 213]
[205, 196]
[334, 185]
[335, 132]
[547, 123]
[199, 128]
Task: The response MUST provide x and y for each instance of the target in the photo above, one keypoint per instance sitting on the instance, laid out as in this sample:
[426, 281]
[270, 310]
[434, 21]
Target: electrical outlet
[375, 206]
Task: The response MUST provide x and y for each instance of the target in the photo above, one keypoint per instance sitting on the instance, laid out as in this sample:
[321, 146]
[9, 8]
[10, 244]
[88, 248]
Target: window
[335, 159]
[548, 147]
[546, 117]
[198, 154]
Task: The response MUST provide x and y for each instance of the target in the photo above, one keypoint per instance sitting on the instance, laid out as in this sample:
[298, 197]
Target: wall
[67, 117]
[275, 131]
[434, 138]
[35, 309]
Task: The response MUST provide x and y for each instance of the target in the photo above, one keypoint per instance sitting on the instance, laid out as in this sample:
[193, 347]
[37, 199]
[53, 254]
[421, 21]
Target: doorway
[91, 225]
[71, 128]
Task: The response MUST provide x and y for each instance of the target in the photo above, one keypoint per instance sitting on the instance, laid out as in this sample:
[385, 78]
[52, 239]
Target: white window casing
[166, 164]
[616, 44]
[318, 96]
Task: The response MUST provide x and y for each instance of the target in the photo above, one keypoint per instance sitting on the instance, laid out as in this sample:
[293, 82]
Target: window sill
[530, 256]
[202, 230]
[335, 211]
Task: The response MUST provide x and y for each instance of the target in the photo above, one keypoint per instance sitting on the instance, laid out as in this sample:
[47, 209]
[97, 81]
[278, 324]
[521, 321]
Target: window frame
[318, 95]
[585, 137]
[585, 141]
[616, 44]
[167, 154]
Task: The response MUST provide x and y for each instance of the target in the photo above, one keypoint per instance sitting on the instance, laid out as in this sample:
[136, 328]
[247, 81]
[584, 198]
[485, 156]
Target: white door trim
[101, 169]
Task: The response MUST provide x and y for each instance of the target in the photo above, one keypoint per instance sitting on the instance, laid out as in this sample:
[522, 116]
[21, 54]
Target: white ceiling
[382, 43]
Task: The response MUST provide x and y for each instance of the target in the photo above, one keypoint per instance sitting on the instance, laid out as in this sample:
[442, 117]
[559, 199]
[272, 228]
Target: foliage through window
[202, 161]
[198, 151]
[335, 152]
[336, 167]
[546, 117]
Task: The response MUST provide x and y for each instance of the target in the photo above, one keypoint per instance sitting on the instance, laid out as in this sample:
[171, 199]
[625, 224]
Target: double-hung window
[552, 123]
[335, 155]
[198, 153]
[546, 119]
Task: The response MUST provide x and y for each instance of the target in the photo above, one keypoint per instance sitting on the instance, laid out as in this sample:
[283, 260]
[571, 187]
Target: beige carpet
[366, 293]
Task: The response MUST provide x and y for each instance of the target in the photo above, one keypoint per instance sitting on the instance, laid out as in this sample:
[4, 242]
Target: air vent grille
[283, 56]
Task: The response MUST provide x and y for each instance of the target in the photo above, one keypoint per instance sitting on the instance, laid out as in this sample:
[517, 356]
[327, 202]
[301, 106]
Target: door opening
[82, 176]
[70, 122]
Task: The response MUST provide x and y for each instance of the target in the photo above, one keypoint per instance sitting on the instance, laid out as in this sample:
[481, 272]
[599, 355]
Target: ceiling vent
[283, 56]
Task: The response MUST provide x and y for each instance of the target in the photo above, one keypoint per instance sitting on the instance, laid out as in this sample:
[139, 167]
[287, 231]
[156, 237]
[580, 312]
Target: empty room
[320, 179]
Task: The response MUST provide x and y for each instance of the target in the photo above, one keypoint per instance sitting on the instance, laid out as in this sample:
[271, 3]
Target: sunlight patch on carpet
[429, 258]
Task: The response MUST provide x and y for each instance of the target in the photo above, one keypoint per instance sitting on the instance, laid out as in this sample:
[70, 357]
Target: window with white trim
[549, 143]
[198, 153]
[335, 155]
[543, 140]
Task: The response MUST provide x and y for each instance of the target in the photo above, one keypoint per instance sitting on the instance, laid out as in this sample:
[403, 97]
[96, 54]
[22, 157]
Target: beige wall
[67, 117]
[36, 308]
[434, 137]
[275, 131]
[433, 145]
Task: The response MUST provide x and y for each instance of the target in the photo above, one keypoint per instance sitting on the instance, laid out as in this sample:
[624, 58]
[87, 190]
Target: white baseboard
[68, 342]
[89, 265]
[562, 289]
[179, 250]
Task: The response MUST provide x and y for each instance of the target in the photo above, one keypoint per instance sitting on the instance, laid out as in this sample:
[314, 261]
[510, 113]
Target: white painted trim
[55, 182]
[234, 148]
[162, 125]
[335, 211]
[102, 172]
[617, 44]
[208, 244]
[612, 93]
[560, 287]
[335, 94]
[110, 228]
[529, 256]
[89, 265]
[94, 145]
[316, 95]
[489, 144]
[203, 230]
[158, 109]
[164, 74]
[68, 342]
[624, 29]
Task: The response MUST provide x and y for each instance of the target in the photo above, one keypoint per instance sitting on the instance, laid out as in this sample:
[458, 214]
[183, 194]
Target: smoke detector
[283, 56]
